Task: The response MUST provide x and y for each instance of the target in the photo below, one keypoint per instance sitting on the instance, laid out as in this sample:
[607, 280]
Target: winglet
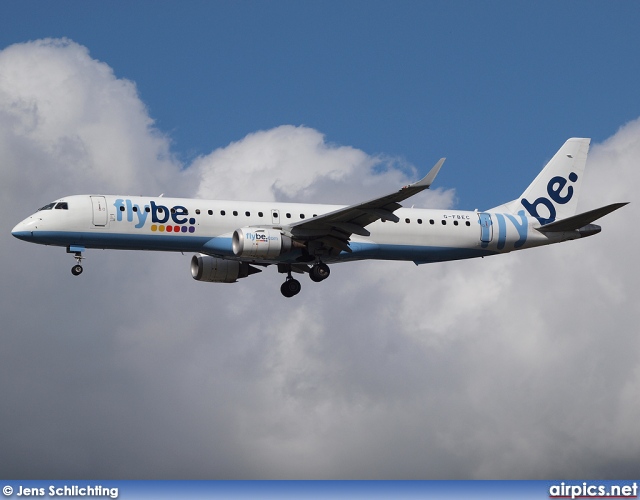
[428, 179]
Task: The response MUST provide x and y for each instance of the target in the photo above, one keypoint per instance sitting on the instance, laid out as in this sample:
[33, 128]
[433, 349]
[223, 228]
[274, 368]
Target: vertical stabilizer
[554, 192]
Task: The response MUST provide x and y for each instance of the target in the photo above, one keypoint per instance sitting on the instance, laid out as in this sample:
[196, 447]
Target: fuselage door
[486, 227]
[275, 217]
[100, 215]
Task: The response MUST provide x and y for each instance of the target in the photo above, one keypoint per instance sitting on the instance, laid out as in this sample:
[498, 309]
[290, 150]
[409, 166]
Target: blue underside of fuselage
[221, 246]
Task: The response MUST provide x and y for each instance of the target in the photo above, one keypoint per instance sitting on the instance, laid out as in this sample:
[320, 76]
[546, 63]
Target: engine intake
[215, 270]
[260, 243]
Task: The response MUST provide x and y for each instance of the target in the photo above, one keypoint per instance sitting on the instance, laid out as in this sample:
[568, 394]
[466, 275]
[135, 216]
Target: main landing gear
[319, 272]
[292, 286]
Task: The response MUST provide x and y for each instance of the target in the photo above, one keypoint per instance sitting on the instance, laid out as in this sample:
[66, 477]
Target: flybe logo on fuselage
[554, 190]
[174, 219]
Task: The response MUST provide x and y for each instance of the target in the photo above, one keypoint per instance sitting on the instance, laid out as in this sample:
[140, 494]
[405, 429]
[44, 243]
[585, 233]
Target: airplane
[232, 240]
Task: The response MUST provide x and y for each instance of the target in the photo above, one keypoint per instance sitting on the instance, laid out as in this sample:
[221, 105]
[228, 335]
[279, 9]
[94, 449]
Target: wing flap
[332, 241]
[382, 213]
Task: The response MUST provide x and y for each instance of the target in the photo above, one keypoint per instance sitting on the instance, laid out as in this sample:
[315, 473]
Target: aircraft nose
[24, 229]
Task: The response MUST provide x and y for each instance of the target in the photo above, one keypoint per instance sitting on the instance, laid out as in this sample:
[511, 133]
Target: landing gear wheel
[76, 270]
[319, 272]
[290, 287]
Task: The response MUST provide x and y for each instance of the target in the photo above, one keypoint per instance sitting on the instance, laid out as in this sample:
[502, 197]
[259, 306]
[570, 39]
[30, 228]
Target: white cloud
[290, 163]
[523, 365]
[67, 113]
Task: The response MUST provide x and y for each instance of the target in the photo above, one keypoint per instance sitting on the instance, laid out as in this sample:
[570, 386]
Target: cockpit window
[47, 207]
[63, 205]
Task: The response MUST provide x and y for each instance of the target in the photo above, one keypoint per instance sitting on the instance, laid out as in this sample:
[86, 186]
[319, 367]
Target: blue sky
[496, 87]
[525, 365]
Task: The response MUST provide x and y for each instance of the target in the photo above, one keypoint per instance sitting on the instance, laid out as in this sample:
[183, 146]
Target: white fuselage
[207, 226]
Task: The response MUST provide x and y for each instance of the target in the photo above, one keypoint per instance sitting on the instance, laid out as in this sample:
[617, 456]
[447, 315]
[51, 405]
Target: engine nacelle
[259, 243]
[215, 270]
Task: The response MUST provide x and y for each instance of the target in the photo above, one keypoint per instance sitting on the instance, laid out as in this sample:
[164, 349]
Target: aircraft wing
[335, 228]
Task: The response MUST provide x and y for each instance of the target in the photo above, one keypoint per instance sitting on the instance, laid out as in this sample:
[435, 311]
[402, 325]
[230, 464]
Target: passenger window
[248, 214]
[432, 222]
[455, 222]
[302, 216]
[288, 216]
[407, 221]
[197, 211]
[147, 209]
[260, 214]
[122, 209]
[210, 212]
[444, 222]
[222, 212]
[235, 212]
[468, 223]
[419, 221]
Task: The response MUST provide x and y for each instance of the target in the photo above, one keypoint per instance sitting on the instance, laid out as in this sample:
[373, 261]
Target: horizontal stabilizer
[577, 221]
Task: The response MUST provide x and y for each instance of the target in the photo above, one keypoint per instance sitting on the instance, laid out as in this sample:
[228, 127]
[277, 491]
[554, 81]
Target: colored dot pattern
[162, 228]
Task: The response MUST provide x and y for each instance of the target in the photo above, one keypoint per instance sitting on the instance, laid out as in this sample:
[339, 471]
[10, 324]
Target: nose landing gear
[77, 269]
[77, 254]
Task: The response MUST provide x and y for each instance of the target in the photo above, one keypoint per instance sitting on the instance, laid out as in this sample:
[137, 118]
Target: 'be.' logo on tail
[558, 194]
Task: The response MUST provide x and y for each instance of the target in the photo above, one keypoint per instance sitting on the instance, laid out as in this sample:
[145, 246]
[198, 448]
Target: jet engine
[260, 243]
[213, 269]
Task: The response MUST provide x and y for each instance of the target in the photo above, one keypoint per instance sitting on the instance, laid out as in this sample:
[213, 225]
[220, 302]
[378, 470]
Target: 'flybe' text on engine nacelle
[259, 243]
